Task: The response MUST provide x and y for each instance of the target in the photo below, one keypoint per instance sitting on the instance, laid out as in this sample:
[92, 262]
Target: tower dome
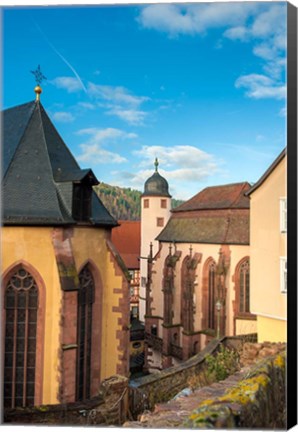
[156, 185]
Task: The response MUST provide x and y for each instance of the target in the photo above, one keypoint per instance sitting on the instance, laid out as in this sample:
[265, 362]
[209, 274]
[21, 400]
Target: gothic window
[244, 287]
[85, 302]
[21, 304]
[211, 295]
[187, 294]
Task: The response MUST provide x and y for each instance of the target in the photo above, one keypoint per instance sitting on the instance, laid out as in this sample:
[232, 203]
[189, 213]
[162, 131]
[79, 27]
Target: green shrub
[223, 364]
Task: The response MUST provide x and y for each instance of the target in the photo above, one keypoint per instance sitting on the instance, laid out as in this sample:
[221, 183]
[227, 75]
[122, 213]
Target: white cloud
[131, 116]
[184, 156]
[283, 112]
[115, 94]
[63, 117]
[180, 165]
[257, 22]
[120, 102]
[265, 51]
[235, 33]
[92, 150]
[261, 86]
[98, 135]
[183, 19]
[87, 105]
[67, 83]
[96, 155]
[270, 21]
[167, 17]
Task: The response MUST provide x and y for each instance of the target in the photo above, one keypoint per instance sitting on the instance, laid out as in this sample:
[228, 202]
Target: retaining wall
[110, 407]
[256, 402]
[145, 392]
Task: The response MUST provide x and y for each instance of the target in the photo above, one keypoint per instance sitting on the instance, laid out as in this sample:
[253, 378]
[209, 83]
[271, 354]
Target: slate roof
[39, 171]
[226, 228]
[156, 185]
[216, 215]
[127, 239]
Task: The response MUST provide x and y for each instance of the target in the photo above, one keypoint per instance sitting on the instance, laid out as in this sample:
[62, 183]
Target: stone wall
[109, 407]
[258, 401]
[145, 392]
[252, 398]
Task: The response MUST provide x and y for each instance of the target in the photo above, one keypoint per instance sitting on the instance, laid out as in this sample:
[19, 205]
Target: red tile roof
[230, 196]
[127, 239]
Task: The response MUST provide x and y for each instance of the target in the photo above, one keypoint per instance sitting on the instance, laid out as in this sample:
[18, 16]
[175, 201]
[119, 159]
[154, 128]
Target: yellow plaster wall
[270, 329]
[268, 244]
[245, 326]
[34, 246]
[91, 242]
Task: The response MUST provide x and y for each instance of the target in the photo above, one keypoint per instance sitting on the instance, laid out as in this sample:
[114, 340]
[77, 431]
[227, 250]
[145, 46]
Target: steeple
[156, 185]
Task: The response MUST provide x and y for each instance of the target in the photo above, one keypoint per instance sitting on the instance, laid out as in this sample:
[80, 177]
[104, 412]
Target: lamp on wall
[218, 308]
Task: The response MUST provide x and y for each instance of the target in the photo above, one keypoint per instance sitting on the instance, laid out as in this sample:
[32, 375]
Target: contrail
[61, 56]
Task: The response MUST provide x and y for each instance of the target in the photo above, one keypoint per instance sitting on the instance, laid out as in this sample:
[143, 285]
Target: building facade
[155, 213]
[268, 250]
[127, 239]
[65, 307]
[199, 279]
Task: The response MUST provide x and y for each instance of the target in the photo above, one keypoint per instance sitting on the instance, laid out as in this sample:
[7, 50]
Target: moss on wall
[257, 401]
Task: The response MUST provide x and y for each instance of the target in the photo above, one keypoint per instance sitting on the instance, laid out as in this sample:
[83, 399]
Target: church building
[65, 294]
[198, 283]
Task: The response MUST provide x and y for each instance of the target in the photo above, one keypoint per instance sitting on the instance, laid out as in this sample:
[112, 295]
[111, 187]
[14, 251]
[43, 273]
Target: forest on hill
[123, 203]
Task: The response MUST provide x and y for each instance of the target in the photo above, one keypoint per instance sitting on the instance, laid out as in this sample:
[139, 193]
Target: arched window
[21, 299]
[244, 287]
[211, 295]
[85, 301]
[188, 276]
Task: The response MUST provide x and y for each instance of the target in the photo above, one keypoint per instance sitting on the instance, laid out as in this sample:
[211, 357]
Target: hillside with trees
[123, 203]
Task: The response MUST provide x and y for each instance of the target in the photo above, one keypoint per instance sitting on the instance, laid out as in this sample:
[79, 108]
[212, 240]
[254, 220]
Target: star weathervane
[39, 76]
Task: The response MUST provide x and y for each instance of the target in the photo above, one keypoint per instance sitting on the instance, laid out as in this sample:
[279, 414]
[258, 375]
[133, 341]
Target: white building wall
[149, 231]
[238, 252]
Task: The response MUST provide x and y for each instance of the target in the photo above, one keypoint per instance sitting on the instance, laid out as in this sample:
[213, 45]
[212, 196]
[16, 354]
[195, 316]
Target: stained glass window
[244, 287]
[85, 301]
[21, 304]
[211, 296]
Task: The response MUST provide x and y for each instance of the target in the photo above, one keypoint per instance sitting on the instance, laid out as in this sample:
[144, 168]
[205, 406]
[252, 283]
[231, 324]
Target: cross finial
[39, 77]
[156, 164]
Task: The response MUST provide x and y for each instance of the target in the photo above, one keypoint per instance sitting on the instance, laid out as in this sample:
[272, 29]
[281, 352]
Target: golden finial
[38, 91]
[39, 77]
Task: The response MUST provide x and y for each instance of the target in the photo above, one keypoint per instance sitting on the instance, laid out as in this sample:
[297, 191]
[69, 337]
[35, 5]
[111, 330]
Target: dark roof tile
[38, 172]
[222, 227]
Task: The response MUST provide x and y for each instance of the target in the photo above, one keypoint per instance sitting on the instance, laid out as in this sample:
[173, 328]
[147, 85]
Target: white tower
[155, 213]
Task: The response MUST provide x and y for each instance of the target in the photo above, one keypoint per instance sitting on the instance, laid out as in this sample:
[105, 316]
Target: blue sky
[201, 86]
